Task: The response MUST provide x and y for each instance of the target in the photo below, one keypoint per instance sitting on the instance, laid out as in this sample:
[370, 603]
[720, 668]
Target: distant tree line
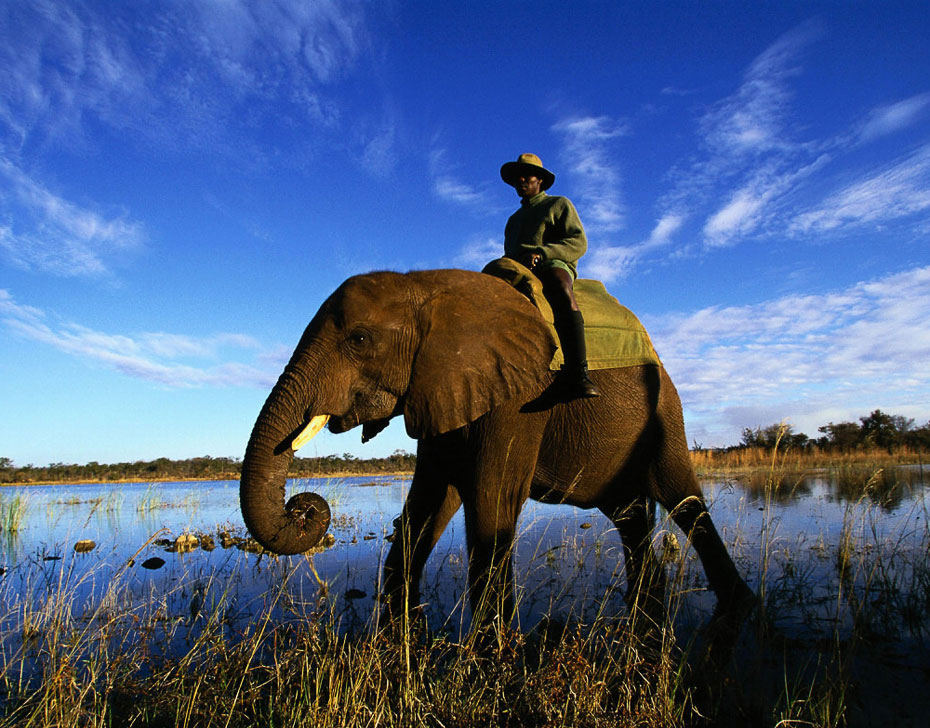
[876, 431]
[202, 468]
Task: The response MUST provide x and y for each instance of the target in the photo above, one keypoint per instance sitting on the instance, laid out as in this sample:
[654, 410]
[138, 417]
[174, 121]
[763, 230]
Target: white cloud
[738, 216]
[154, 357]
[447, 186]
[757, 167]
[378, 149]
[453, 190]
[588, 163]
[57, 236]
[199, 73]
[750, 161]
[613, 262]
[610, 263]
[851, 350]
[895, 192]
[667, 226]
[478, 253]
[894, 117]
[753, 120]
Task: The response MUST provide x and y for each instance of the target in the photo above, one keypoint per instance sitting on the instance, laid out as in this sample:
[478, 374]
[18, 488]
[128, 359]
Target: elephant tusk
[310, 430]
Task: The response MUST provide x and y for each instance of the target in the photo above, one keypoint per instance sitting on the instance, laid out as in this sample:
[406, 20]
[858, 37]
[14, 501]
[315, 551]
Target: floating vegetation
[112, 501]
[184, 543]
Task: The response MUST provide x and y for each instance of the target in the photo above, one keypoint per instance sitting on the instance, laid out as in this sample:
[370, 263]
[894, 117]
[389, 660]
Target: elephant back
[614, 337]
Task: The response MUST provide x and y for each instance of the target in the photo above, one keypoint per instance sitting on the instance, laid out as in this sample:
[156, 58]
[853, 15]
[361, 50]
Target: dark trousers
[569, 323]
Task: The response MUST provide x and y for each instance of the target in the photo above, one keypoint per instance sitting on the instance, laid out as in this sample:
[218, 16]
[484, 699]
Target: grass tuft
[840, 607]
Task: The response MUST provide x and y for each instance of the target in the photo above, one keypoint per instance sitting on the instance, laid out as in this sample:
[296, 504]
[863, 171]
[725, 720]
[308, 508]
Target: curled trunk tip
[309, 513]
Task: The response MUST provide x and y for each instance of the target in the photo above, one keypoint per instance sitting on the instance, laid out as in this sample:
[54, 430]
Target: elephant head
[440, 348]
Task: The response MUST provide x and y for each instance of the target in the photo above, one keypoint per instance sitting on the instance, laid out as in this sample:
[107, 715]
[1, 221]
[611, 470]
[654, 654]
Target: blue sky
[183, 183]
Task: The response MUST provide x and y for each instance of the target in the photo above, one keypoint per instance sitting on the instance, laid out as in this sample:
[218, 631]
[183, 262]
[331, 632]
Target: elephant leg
[431, 503]
[492, 497]
[645, 576]
[735, 600]
[694, 520]
[490, 535]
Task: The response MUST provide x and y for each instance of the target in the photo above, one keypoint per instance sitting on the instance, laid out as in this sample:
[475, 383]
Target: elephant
[464, 358]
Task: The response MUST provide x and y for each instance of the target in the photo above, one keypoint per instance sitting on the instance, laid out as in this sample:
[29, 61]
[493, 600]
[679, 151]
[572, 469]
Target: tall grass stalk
[183, 656]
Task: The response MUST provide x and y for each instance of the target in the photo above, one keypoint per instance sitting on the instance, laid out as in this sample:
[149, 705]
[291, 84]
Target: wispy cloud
[798, 356]
[738, 216]
[448, 186]
[172, 360]
[51, 234]
[897, 191]
[894, 117]
[191, 74]
[749, 154]
[756, 177]
[612, 262]
[592, 169]
[753, 156]
[754, 119]
[479, 252]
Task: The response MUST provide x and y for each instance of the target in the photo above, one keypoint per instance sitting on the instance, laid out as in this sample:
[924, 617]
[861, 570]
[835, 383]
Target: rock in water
[153, 563]
[186, 542]
[85, 545]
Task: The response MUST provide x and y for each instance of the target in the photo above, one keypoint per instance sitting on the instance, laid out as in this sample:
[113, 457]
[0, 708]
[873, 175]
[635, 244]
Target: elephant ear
[482, 344]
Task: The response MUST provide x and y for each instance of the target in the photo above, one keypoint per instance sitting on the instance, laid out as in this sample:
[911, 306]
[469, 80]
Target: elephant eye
[359, 339]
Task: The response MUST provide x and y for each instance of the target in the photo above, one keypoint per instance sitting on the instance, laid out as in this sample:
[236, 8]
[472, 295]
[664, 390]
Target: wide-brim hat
[527, 163]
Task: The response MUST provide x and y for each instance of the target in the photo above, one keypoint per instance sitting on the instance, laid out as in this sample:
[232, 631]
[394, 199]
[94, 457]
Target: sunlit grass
[123, 653]
[800, 460]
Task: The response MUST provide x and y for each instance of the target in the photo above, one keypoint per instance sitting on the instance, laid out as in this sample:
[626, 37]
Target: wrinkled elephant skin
[460, 355]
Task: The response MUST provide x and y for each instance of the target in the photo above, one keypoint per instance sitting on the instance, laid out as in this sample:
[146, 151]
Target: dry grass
[711, 462]
[832, 605]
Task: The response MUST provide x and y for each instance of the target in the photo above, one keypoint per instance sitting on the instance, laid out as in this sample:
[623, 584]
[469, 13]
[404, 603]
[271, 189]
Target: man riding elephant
[546, 236]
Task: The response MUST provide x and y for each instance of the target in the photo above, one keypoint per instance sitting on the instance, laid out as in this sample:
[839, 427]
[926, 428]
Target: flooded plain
[837, 562]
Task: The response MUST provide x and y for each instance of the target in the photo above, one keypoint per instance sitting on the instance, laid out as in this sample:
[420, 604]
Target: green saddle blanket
[614, 337]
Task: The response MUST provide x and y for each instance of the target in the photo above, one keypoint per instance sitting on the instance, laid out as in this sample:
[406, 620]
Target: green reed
[13, 511]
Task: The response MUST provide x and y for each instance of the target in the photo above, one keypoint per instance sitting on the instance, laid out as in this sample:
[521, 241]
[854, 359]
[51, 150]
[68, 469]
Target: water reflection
[797, 539]
[887, 488]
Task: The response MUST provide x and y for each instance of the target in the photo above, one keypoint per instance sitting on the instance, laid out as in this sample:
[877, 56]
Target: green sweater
[546, 225]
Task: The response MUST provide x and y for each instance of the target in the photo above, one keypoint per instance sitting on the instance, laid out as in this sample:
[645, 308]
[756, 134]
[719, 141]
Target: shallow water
[568, 562]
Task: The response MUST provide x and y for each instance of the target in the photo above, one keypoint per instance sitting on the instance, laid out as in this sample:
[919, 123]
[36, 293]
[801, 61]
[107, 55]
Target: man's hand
[531, 260]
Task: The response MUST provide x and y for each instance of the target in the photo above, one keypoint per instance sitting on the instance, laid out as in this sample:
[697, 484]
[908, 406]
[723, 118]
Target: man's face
[528, 185]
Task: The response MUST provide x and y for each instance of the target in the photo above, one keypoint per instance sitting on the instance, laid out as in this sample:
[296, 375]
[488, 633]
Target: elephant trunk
[284, 528]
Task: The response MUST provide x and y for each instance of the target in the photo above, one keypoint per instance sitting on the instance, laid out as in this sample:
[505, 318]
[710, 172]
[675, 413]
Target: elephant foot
[495, 641]
[401, 614]
[725, 625]
[737, 603]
